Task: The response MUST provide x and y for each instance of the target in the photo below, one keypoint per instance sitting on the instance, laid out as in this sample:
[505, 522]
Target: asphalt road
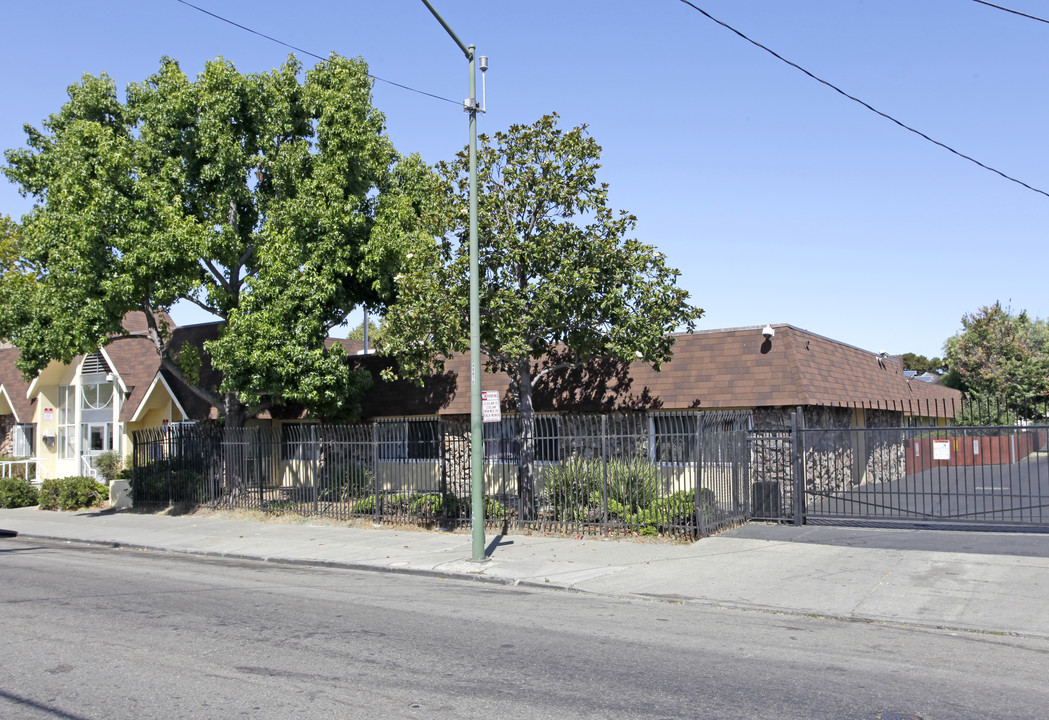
[88, 632]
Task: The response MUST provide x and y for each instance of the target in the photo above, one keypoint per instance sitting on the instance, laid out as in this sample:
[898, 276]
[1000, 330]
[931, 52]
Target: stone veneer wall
[7, 435]
[837, 458]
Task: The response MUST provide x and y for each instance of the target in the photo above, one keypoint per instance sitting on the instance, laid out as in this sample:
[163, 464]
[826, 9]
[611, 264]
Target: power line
[874, 110]
[311, 54]
[1014, 12]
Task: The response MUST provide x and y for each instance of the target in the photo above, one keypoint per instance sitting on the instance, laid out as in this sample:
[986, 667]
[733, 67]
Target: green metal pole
[476, 446]
[476, 443]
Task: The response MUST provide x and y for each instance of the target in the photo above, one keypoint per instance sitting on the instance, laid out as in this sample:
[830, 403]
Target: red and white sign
[490, 411]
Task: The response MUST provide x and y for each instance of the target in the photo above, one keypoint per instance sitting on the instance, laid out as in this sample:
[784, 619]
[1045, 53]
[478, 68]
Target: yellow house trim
[6, 406]
[144, 405]
[113, 371]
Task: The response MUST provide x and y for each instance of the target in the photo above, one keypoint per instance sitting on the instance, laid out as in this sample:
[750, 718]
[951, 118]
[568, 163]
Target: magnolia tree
[275, 203]
[559, 275]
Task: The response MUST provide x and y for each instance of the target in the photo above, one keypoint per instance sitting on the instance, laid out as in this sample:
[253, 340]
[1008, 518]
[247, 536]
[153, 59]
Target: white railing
[85, 467]
[39, 475]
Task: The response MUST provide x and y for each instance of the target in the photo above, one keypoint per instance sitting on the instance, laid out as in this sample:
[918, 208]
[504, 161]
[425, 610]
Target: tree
[375, 332]
[921, 364]
[257, 197]
[560, 278]
[1002, 356]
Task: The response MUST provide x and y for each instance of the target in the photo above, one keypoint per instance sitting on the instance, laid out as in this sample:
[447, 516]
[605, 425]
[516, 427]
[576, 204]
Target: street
[90, 632]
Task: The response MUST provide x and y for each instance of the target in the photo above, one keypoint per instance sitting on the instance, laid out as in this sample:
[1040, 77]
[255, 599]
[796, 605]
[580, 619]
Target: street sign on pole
[490, 411]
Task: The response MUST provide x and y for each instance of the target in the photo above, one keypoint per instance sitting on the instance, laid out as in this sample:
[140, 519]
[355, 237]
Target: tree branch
[153, 331]
[216, 275]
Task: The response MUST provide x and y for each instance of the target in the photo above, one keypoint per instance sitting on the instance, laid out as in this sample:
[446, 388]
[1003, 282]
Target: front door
[96, 438]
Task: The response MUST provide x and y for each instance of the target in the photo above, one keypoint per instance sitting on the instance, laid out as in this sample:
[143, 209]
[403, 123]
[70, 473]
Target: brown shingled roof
[734, 368]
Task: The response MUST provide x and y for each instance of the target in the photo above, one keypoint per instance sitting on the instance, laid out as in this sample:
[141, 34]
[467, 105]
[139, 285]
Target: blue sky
[779, 200]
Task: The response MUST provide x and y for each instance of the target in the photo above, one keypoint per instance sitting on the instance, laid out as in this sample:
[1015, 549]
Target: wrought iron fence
[680, 474]
[988, 475]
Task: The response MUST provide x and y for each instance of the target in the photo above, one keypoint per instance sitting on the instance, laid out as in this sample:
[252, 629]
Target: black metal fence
[987, 475]
[677, 474]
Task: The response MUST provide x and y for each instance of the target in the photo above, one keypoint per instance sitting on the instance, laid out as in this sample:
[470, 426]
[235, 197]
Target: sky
[780, 200]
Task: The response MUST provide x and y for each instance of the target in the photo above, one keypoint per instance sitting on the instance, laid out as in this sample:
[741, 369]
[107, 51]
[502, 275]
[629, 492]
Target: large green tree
[1002, 356]
[560, 275]
[921, 364]
[261, 198]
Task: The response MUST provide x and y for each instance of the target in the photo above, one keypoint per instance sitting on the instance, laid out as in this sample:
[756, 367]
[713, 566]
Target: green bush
[364, 506]
[635, 483]
[495, 510]
[18, 492]
[357, 482]
[577, 491]
[155, 483]
[109, 464]
[72, 493]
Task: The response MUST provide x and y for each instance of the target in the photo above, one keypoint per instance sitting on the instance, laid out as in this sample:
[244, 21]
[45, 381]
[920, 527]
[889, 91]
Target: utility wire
[861, 102]
[311, 54]
[1014, 12]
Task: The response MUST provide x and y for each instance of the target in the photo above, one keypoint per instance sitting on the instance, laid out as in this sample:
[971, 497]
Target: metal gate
[991, 475]
[986, 475]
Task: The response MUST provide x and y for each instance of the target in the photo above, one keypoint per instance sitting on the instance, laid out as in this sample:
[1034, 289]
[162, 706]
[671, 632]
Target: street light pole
[476, 445]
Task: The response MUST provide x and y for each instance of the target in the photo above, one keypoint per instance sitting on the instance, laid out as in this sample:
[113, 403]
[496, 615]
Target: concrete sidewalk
[998, 582]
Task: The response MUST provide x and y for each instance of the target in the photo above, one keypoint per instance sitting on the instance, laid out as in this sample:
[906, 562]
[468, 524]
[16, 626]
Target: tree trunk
[234, 411]
[526, 440]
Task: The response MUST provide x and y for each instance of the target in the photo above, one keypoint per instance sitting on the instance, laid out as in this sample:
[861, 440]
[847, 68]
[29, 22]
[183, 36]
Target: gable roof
[14, 390]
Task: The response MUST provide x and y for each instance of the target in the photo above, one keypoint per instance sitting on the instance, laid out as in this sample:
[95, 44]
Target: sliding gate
[985, 475]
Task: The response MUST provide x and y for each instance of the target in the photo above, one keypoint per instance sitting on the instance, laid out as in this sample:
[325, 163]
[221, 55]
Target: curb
[536, 585]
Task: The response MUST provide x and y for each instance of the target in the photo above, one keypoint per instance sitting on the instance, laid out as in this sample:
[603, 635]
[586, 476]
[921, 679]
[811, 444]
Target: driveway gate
[969, 475]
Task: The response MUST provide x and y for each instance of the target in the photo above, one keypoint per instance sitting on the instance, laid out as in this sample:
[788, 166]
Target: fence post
[797, 471]
[701, 519]
[604, 470]
[375, 466]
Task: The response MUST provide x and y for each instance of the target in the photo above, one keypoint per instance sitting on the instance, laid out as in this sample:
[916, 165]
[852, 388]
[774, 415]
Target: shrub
[357, 482]
[72, 493]
[109, 464]
[577, 491]
[155, 483]
[432, 505]
[495, 510]
[18, 492]
[364, 506]
[635, 483]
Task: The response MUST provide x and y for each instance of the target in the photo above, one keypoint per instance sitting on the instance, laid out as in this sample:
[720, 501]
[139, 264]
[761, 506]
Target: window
[66, 421]
[674, 438]
[298, 441]
[409, 440]
[24, 440]
[501, 439]
[96, 396]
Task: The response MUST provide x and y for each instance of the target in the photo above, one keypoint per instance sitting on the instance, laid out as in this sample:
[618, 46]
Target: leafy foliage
[109, 464]
[72, 493]
[559, 272]
[1002, 356]
[630, 491]
[257, 197]
[17, 492]
[921, 364]
[375, 332]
